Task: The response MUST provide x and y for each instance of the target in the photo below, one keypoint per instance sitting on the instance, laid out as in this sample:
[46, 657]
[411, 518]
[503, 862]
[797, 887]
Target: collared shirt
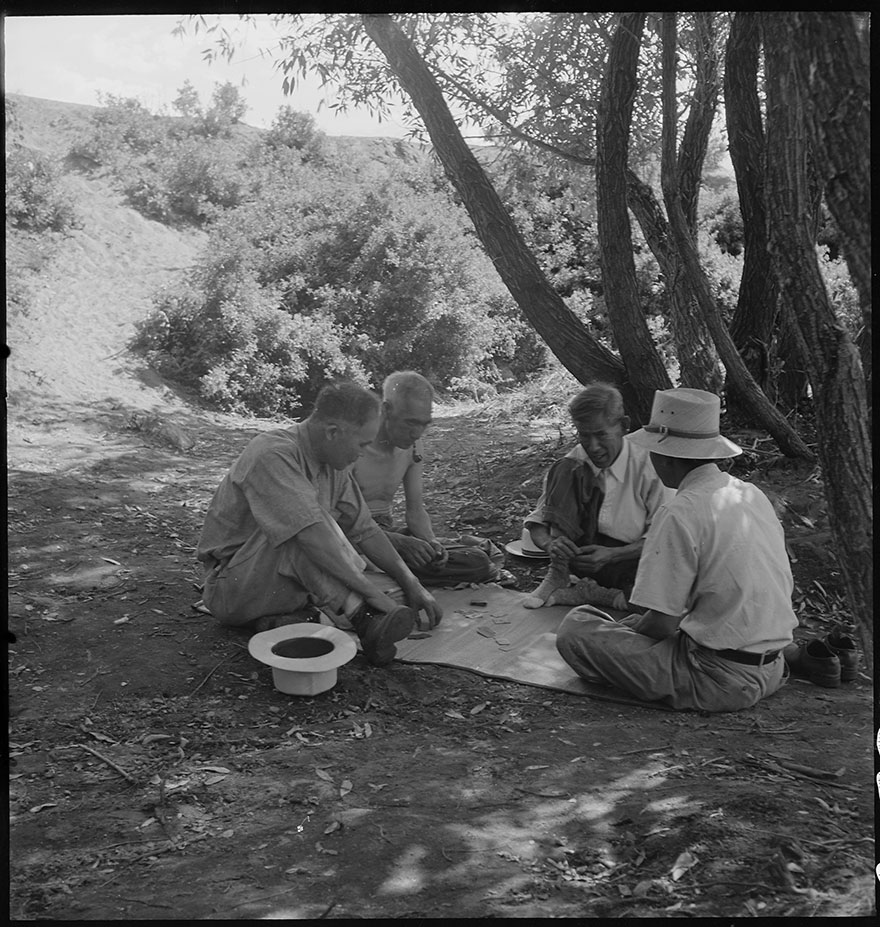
[380, 474]
[716, 555]
[278, 486]
[633, 493]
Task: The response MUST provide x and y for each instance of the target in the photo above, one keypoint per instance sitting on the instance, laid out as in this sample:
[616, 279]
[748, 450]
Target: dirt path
[156, 773]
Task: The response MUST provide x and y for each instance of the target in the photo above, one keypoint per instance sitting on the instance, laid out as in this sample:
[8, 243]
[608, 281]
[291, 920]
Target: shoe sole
[396, 626]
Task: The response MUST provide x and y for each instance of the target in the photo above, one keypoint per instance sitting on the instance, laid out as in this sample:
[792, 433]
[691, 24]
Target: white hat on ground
[685, 423]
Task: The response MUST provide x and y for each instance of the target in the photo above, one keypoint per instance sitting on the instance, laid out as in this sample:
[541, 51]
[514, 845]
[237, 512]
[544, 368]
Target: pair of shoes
[379, 631]
[815, 660]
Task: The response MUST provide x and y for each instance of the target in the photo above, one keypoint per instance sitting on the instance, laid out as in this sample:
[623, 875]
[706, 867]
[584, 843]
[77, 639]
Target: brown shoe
[378, 631]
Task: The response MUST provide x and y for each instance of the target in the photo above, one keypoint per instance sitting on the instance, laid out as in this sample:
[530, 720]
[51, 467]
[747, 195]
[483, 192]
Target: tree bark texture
[614, 231]
[762, 411]
[837, 83]
[565, 335]
[833, 364]
[756, 310]
[697, 359]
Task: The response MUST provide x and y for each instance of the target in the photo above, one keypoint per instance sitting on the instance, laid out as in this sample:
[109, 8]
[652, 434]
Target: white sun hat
[526, 547]
[685, 423]
[304, 657]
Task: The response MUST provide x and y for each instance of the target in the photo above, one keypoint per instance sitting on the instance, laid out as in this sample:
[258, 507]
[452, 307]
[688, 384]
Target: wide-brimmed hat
[525, 547]
[685, 423]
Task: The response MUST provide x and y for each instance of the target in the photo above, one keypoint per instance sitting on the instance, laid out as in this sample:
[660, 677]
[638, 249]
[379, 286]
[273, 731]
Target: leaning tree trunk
[697, 358]
[838, 86]
[762, 411]
[614, 231]
[566, 337]
[833, 363]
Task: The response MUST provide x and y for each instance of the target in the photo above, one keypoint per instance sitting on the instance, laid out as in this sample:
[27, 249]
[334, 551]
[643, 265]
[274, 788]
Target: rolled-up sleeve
[352, 512]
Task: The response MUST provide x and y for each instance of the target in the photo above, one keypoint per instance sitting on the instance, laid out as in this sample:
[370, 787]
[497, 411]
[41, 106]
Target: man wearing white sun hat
[713, 575]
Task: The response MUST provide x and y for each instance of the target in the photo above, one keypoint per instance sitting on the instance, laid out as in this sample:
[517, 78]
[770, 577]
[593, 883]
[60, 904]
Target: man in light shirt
[596, 508]
[713, 577]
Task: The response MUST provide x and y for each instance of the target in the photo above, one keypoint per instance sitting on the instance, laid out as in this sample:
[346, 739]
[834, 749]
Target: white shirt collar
[618, 468]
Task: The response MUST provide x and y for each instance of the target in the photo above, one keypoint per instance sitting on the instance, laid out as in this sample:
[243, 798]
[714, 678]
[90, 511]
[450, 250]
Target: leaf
[213, 780]
[345, 788]
[214, 769]
[332, 826]
[454, 714]
[368, 730]
[529, 768]
[323, 774]
[478, 708]
[642, 888]
[685, 861]
[46, 804]
[110, 560]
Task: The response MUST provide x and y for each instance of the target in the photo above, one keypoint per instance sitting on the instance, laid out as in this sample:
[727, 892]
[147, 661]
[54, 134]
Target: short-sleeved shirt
[379, 475]
[278, 486]
[633, 493]
[716, 555]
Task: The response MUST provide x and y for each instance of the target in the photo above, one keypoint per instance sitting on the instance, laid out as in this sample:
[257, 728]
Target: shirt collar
[617, 469]
[705, 472]
[301, 432]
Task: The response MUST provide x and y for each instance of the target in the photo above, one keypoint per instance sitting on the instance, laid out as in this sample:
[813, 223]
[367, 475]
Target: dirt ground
[156, 773]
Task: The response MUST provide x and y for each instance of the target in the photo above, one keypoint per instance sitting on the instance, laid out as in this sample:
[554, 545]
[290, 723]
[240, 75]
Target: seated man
[714, 577]
[597, 505]
[280, 533]
[395, 458]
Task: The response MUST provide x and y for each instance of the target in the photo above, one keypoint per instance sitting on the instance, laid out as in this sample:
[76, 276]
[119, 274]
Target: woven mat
[487, 630]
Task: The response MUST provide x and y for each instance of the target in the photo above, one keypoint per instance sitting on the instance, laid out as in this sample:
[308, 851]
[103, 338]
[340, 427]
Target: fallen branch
[109, 762]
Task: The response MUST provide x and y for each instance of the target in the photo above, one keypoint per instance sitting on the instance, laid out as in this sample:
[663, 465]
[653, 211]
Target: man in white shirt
[714, 577]
[597, 505]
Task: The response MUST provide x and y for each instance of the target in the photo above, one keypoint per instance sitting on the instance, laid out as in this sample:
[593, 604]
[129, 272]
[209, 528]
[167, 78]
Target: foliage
[36, 197]
[841, 291]
[340, 271]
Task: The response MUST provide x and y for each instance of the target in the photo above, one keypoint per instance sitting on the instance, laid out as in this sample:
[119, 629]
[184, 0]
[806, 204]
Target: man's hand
[592, 558]
[562, 550]
[414, 551]
[418, 597]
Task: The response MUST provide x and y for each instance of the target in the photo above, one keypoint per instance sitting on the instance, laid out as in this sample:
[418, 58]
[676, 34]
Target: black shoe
[844, 648]
[815, 660]
[305, 615]
[378, 631]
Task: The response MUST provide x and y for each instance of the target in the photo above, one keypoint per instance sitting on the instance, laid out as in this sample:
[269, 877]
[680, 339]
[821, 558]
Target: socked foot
[555, 580]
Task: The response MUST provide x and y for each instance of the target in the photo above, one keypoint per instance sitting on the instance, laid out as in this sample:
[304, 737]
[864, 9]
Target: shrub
[36, 198]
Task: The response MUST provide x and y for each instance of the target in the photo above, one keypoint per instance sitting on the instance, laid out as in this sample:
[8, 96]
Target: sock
[556, 579]
[588, 592]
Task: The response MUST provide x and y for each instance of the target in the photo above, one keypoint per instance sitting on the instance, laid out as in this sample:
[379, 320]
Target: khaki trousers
[261, 580]
[675, 671]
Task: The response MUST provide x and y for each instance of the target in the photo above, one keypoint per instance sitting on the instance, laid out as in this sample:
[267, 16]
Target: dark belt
[744, 656]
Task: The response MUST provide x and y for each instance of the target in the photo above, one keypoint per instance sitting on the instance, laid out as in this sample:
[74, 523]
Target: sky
[72, 58]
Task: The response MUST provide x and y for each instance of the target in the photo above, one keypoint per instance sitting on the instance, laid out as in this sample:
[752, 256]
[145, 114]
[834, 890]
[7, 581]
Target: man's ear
[387, 408]
[332, 430]
[624, 423]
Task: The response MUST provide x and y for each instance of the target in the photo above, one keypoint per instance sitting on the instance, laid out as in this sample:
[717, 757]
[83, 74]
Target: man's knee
[577, 626]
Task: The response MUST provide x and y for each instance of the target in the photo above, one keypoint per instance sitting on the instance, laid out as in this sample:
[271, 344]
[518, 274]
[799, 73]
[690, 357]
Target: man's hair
[406, 384]
[597, 399]
[344, 401]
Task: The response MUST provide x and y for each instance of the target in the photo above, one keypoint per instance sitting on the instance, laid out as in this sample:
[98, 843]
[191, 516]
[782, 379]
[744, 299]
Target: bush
[187, 180]
[320, 274]
[36, 199]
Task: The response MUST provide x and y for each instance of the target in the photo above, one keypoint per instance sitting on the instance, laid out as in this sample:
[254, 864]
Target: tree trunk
[833, 363]
[697, 359]
[566, 337]
[614, 232]
[755, 316]
[761, 410]
[837, 82]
